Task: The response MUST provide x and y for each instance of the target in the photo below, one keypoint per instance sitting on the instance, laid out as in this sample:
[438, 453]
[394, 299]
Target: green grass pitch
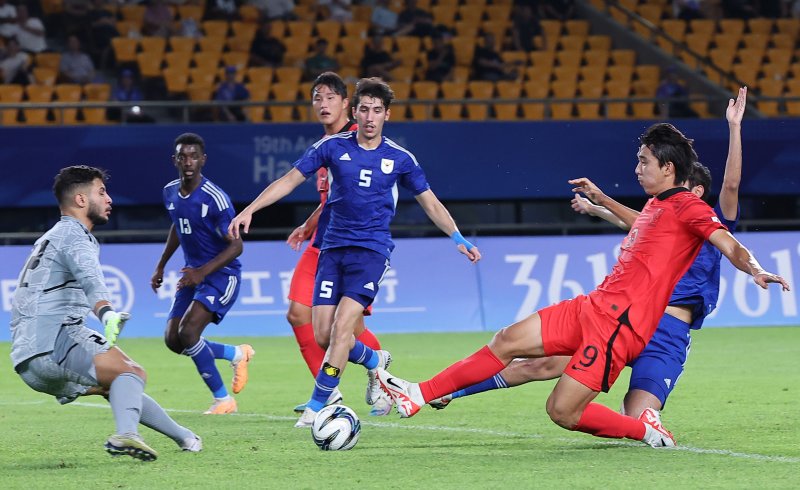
[734, 413]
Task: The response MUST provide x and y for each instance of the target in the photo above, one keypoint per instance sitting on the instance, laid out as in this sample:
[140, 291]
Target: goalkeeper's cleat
[192, 444]
[655, 434]
[222, 406]
[382, 406]
[373, 387]
[441, 403]
[131, 445]
[334, 398]
[407, 396]
[307, 419]
[240, 367]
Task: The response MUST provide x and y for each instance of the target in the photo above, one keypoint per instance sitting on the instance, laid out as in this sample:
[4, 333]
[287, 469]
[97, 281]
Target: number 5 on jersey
[365, 179]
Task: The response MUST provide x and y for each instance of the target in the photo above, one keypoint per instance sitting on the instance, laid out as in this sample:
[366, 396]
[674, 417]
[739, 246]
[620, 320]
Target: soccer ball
[336, 428]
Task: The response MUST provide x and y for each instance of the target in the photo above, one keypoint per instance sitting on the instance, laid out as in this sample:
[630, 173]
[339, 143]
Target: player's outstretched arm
[440, 216]
[273, 193]
[582, 205]
[304, 231]
[170, 247]
[742, 259]
[729, 194]
[591, 191]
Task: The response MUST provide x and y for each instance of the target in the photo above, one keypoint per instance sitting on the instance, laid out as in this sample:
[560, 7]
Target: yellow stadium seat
[48, 60]
[215, 28]
[10, 94]
[37, 94]
[562, 90]
[149, 65]
[67, 92]
[125, 49]
[211, 44]
[153, 45]
[618, 89]
[534, 110]
[300, 28]
[424, 91]
[207, 60]
[329, 30]
[497, 11]
[44, 76]
[597, 57]
[177, 59]
[464, 50]
[444, 14]
[623, 57]
[452, 91]
[283, 92]
[191, 11]
[479, 90]
[96, 92]
[132, 12]
[238, 59]
[176, 80]
[760, 25]
[249, 14]
[182, 44]
[511, 90]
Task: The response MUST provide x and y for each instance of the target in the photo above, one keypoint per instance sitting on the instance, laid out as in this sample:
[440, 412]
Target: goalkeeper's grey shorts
[68, 371]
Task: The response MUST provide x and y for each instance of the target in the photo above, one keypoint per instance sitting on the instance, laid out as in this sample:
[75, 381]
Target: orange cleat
[220, 407]
[240, 368]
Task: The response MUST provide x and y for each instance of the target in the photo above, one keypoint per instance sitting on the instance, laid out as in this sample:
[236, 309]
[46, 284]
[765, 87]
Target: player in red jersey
[610, 326]
[331, 106]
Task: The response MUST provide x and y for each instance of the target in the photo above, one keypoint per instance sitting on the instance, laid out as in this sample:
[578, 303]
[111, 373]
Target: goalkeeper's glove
[113, 323]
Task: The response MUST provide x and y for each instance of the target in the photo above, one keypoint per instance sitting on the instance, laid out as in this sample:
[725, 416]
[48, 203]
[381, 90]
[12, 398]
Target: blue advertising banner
[463, 161]
[431, 287]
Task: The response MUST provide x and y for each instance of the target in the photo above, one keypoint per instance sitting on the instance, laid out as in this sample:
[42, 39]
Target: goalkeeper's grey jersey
[59, 285]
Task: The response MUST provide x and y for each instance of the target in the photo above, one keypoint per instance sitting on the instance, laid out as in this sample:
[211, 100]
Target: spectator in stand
[103, 28]
[687, 9]
[276, 9]
[8, 19]
[488, 65]
[407, 18]
[222, 9]
[29, 31]
[671, 87]
[383, 19]
[76, 66]
[738, 9]
[76, 19]
[14, 66]
[422, 26]
[377, 62]
[128, 91]
[793, 9]
[157, 19]
[441, 59]
[266, 50]
[338, 10]
[230, 90]
[558, 9]
[320, 62]
[525, 28]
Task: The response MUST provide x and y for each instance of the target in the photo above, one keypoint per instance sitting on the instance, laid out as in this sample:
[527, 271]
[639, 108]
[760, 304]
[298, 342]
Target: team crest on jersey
[387, 165]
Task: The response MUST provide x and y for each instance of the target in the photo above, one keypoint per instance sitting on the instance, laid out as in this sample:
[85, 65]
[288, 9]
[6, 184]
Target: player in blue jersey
[366, 168]
[200, 213]
[655, 372]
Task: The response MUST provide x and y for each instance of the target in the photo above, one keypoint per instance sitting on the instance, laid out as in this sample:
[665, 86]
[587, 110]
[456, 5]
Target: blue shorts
[217, 292]
[355, 272]
[657, 369]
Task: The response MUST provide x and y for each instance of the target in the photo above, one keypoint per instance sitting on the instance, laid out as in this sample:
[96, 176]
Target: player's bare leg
[522, 339]
[636, 401]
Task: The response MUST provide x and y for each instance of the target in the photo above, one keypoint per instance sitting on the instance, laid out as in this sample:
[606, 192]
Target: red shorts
[301, 289]
[600, 345]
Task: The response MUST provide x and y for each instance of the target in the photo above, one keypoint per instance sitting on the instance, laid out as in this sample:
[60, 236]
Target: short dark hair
[701, 175]
[332, 81]
[373, 87]
[668, 144]
[69, 178]
[190, 139]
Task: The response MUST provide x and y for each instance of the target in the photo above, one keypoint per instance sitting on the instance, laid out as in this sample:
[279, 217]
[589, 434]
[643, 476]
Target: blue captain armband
[460, 240]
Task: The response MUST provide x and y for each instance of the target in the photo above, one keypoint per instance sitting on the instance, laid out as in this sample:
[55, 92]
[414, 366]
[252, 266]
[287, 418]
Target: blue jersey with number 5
[363, 193]
[201, 220]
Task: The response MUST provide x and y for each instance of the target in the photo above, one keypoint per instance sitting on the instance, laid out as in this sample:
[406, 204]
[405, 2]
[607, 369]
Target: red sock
[478, 367]
[311, 351]
[369, 339]
[601, 421]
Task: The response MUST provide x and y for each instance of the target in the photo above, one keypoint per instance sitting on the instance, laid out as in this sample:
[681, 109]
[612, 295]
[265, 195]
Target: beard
[96, 216]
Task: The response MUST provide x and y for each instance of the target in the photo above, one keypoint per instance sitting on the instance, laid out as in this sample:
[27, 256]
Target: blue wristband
[460, 240]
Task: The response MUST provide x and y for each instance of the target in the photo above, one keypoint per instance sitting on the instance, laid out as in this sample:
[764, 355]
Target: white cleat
[655, 434]
[334, 399]
[373, 387]
[407, 396]
[307, 419]
[192, 444]
[382, 406]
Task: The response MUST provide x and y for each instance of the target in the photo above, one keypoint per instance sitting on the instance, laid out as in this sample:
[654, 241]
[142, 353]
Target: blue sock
[204, 360]
[493, 383]
[361, 354]
[323, 387]
[221, 351]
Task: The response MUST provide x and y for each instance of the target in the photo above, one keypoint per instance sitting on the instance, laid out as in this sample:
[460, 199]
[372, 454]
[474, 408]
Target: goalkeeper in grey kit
[52, 349]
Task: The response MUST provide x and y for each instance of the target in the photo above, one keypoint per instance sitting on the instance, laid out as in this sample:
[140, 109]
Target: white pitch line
[473, 430]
